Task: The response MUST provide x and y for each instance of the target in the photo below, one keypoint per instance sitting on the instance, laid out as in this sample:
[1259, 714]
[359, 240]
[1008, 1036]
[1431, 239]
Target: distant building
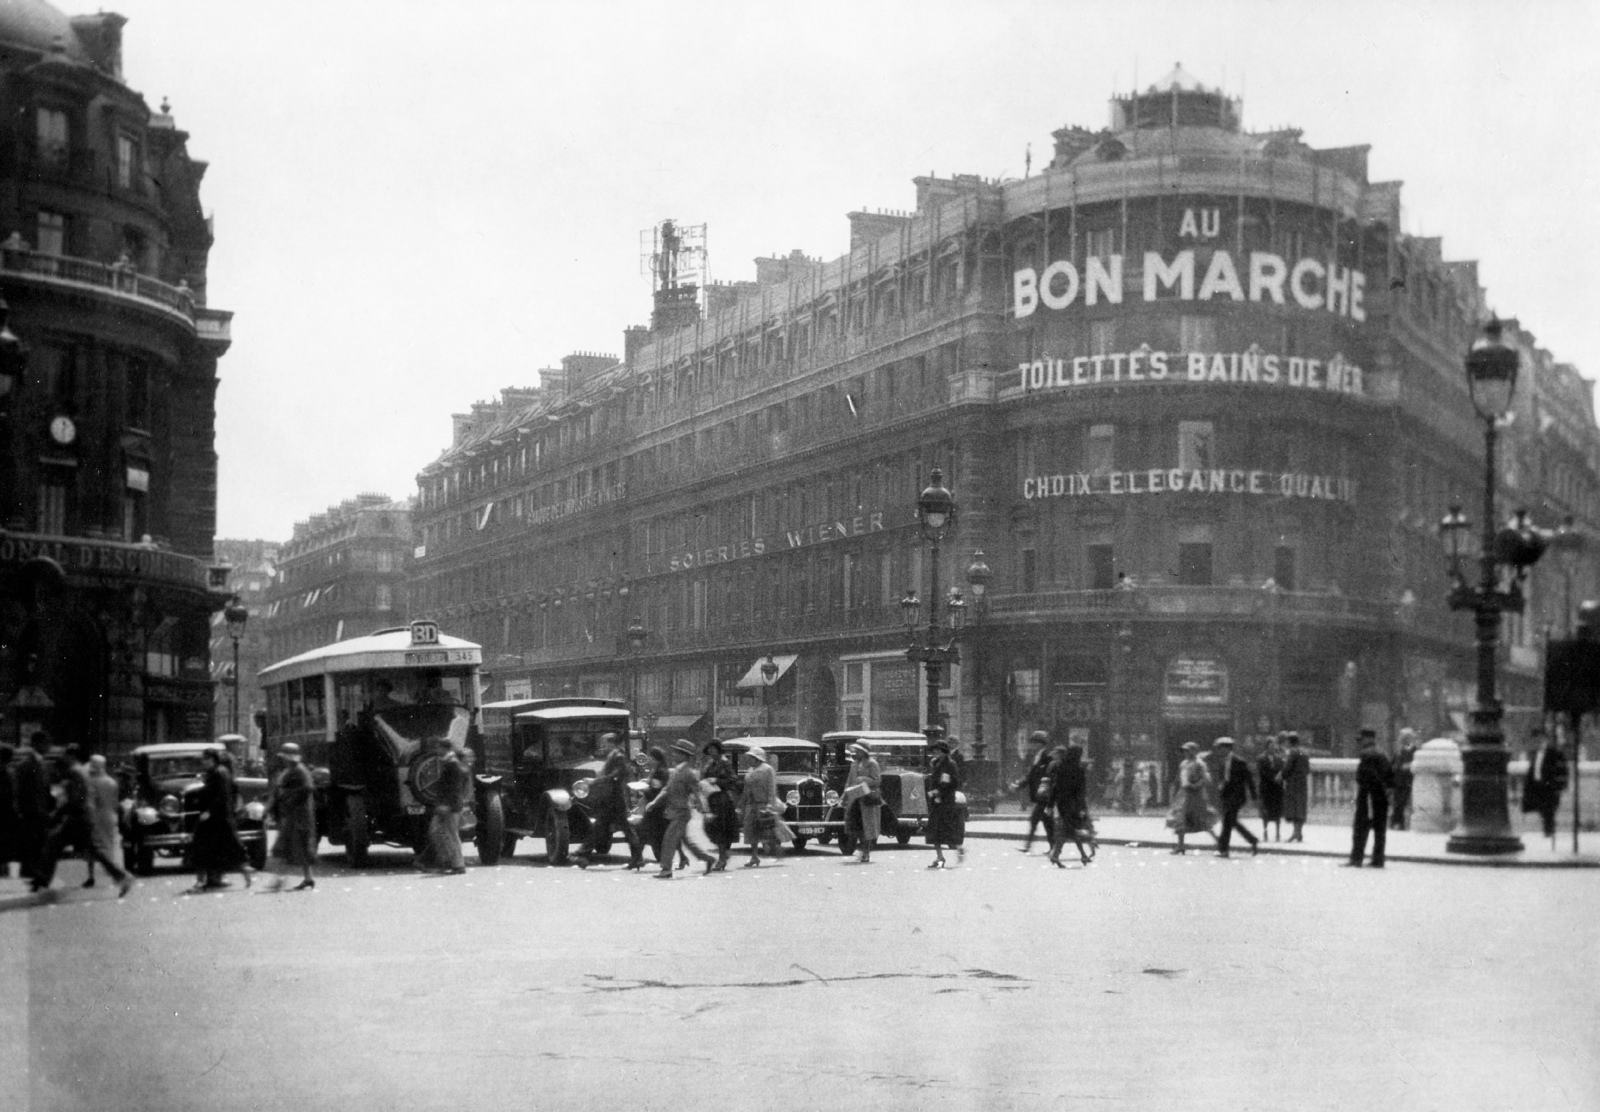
[108, 489]
[252, 567]
[1200, 401]
[342, 574]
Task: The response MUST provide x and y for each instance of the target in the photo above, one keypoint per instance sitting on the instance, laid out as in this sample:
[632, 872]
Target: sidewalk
[1321, 840]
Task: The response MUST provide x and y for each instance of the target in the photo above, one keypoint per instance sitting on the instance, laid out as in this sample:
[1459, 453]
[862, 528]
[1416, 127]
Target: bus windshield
[405, 729]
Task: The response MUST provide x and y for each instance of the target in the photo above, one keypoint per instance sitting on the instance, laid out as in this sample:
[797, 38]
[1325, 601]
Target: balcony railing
[1167, 599]
[119, 280]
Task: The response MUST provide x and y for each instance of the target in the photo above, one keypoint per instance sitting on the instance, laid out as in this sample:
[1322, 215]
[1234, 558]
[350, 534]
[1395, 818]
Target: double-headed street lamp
[236, 614]
[936, 509]
[978, 577]
[1504, 558]
[638, 636]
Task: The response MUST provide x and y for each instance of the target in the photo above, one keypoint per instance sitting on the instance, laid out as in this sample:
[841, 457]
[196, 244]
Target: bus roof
[568, 709]
[388, 648]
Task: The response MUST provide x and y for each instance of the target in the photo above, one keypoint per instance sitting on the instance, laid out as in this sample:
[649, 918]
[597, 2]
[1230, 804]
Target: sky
[419, 204]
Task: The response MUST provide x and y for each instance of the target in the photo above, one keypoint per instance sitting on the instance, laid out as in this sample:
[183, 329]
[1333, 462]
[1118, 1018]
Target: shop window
[1196, 445]
[1194, 564]
[1099, 566]
[1283, 567]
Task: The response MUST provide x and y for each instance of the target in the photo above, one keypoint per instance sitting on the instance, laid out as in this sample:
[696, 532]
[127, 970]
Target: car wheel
[555, 837]
[847, 844]
[356, 835]
[256, 852]
[492, 830]
[508, 845]
[799, 842]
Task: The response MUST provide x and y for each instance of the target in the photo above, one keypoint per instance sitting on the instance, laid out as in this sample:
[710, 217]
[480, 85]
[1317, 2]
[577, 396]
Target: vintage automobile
[798, 764]
[162, 809]
[537, 762]
[903, 758]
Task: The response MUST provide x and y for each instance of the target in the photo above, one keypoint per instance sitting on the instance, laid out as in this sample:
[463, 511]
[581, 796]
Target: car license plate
[415, 809]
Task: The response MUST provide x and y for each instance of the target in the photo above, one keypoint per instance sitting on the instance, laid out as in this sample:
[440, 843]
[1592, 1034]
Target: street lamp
[769, 676]
[638, 636]
[236, 615]
[936, 509]
[1504, 558]
[978, 576]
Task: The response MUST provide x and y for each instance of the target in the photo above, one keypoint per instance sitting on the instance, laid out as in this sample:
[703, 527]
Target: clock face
[63, 430]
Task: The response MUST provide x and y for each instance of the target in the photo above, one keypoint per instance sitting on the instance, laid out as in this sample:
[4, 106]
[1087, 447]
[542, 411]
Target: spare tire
[423, 776]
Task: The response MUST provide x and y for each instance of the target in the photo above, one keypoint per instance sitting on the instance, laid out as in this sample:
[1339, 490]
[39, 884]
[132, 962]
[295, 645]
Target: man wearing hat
[1236, 786]
[608, 804]
[1033, 786]
[1296, 784]
[294, 805]
[1374, 777]
[678, 800]
[755, 806]
[867, 780]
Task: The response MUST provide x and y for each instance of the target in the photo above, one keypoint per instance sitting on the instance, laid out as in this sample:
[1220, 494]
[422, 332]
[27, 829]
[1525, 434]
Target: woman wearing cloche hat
[1191, 809]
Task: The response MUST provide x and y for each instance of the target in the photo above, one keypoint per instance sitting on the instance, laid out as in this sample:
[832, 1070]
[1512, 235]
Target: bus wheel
[492, 830]
[555, 837]
[356, 835]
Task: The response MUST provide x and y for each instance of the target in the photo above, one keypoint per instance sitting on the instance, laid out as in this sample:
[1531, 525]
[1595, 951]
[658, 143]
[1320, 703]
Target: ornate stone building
[1201, 403]
[107, 466]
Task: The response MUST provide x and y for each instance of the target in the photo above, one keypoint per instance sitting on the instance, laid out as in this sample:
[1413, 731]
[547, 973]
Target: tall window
[53, 505]
[385, 597]
[1196, 333]
[53, 143]
[1194, 564]
[51, 233]
[57, 368]
[1196, 445]
[1100, 449]
[1103, 242]
[1030, 570]
[126, 153]
[1098, 558]
[1283, 567]
[138, 394]
[1102, 337]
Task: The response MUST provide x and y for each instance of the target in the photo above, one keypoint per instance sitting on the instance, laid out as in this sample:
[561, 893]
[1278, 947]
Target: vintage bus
[372, 715]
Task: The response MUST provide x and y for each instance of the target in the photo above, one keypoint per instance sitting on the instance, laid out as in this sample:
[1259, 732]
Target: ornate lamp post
[236, 615]
[978, 576]
[638, 636]
[1504, 558]
[936, 509]
[769, 676]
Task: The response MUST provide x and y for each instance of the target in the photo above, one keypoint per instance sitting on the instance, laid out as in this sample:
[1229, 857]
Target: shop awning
[752, 678]
[676, 721]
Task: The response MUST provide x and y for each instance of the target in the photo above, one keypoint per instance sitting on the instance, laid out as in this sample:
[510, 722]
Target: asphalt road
[1145, 981]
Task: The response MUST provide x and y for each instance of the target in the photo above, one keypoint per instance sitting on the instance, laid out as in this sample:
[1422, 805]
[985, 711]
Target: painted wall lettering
[1335, 374]
[1160, 480]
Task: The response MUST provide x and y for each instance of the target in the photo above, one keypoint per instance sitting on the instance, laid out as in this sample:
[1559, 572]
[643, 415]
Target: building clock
[62, 430]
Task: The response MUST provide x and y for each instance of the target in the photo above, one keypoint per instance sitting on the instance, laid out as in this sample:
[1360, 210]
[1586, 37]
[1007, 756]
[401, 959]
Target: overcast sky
[417, 204]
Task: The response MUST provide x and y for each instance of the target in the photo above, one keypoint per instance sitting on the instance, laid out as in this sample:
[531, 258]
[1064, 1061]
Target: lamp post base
[1485, 827]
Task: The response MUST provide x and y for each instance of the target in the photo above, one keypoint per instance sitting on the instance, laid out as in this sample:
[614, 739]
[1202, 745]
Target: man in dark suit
[1547, 779]
[1374, 777]
[1236, 786]
[1031, 784]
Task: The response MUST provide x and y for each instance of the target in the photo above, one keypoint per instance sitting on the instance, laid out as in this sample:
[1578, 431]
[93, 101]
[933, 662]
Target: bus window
[297, 707]
[316, 718]
[351, 698]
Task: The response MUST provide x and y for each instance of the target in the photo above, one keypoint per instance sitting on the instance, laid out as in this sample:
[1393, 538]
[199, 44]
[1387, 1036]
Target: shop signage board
[1196, 681]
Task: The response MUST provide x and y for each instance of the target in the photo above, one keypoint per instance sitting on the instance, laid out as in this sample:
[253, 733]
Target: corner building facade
[108, 468]
[1201, 405]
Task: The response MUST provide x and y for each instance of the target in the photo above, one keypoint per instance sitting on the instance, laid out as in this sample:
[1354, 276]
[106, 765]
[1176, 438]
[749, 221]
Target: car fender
[559, 798]
[487, 782]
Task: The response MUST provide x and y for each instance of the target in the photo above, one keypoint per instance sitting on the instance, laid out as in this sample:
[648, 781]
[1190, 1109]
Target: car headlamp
[832, 799]
[147, 816]
[580, 790]
[792, 799]
[255, 810]
[170, 806]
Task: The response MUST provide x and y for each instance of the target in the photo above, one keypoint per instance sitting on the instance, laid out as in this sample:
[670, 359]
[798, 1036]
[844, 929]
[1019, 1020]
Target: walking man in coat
[722, 823]
[1400, 804]
[1038, 795]
[864, 787]
[1547, 779]
[1236, 786]
[74, 826]
[678, 800]
[1296, 785]
[34, 802]
[608, 805]
[104, 796]
[1374, 777]
[294, 805]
